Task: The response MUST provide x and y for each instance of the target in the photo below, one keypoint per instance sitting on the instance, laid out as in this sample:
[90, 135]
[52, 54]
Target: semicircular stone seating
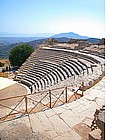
[49, 66]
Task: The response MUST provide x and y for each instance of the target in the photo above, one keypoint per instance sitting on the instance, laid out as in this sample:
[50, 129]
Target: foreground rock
[98, 125]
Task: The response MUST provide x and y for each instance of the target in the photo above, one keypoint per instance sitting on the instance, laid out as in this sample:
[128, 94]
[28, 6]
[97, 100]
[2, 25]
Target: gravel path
[11, 91]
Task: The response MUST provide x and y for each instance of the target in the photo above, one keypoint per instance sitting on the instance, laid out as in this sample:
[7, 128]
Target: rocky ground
[71, 121]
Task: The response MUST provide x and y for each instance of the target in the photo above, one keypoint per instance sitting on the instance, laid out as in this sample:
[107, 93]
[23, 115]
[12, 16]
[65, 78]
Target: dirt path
[11, 91]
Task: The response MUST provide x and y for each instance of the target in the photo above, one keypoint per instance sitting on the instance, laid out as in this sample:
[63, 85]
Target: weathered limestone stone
[94, 106]
[65, 136]
[87, 113]
[79, 109]
[93, 92]
[36, 124]
[71, 135]
[101, 95]
[70, 118]
[58, 124]
[25, 120]
[90, 97]
[83, 101]
[75, 135]
[44, 120]
[52, 133]
[98, 88]
[90, 105]
[72, 104]
[88, 122]
[60, 109]
[95, 134]
[100, 102]
[16, 130]
[80, 101]
[3, 111]
[49, 112]
[39, 136]
[82, 130]
[4, 125]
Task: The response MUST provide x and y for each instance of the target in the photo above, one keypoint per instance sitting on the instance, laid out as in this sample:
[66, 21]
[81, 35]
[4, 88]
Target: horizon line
[49, 34]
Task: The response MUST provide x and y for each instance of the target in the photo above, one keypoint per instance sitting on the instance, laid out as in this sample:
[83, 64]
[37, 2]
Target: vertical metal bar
[66, 95]
[26, 105]
[50, 99]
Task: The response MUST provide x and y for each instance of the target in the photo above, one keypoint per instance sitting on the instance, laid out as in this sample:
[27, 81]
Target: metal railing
[16, 106]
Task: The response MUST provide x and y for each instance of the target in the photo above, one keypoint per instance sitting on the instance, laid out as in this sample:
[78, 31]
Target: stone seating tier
[49, 66]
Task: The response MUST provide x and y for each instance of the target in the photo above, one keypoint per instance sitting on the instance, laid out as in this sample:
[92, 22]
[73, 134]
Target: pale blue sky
[85, 17]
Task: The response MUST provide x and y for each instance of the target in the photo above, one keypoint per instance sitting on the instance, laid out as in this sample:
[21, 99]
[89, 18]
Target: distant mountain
[4, 34]
[7, 43]
[13, 40]
[93, 40]
[69, 35]
[63, 39]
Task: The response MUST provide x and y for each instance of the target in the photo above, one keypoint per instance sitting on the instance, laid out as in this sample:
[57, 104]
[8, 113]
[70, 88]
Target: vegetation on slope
[19, 54]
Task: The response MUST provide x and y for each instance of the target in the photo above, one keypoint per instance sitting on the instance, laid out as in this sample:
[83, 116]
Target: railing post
[26, 105]
[82, 88]
[50, 99]
[66, 95]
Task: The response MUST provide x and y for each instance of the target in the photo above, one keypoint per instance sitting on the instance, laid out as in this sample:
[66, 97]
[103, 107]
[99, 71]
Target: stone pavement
[65, 122]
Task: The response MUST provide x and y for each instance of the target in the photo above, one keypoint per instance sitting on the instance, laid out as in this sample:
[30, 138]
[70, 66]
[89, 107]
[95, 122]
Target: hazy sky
[85, 17]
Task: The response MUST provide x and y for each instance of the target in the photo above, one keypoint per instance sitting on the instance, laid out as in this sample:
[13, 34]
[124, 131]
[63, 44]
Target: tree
[1, 64]
[19, 54]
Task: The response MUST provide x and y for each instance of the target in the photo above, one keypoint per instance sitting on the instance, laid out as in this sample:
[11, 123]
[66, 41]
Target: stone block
[59, 125]
[49, 112]
[36, 124]
[95, 134]
[44, 120]
[70, 118]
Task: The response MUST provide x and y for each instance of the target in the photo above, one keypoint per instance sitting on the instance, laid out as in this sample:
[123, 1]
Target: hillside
[13, 40]
[7, 43]
[70, 35]
[93, 40]
[7, 47]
